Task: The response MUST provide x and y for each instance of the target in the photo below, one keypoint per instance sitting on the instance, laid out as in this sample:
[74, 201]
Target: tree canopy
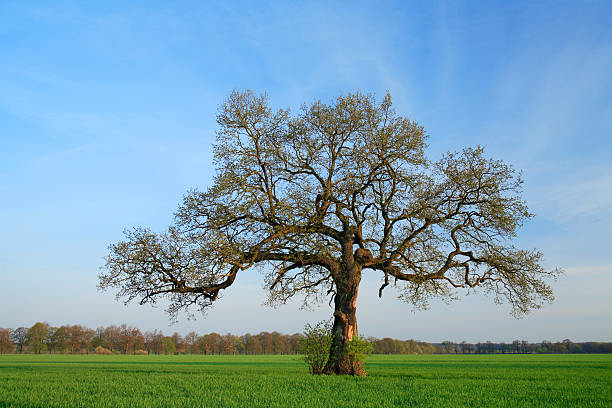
[317, 197]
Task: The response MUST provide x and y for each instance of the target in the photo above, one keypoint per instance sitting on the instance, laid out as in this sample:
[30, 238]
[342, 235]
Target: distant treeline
[124, 339]
[523, 347]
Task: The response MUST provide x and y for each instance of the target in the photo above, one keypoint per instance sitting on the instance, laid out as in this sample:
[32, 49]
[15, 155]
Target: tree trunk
[345, 327]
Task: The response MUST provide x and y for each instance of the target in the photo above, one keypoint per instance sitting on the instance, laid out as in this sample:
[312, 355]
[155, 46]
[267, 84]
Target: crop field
[283, 381]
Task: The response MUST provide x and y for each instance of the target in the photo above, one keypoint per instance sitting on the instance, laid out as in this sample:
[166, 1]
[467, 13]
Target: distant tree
[279, 343]
[572, 347]
[295, 343]
[178, 342]
[266, 342]
[148, 339]
[321, 196]
[599, 347]
[158, 342]
[98, 339]
[59, 340]
[128, 338]
[592, 347]
[154, 342]
[169, 346]
[427, 348]
[112, 337]
[386, 346]
[210, 343]
[79, 338]
[190, 340]
[525, 348]
[6, 344]
[559, 348]
[140, 342]
[37, 337]
[244, 339]
[239, 345]
[19, 336]
[88, 336]
[408, 347]
[49, 341]
[125, 338]
[449, 347]
[228, 344]
[253, 344]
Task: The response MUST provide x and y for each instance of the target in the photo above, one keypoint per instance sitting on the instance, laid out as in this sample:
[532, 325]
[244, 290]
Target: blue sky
[107, 115]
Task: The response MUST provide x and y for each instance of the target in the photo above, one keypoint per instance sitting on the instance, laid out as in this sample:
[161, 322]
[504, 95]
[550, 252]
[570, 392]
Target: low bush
[355, 351]
[102, 350]
[141, 352]
[316, 345]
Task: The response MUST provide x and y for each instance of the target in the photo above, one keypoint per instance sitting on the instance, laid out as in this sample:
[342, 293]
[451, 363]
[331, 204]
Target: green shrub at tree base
[356, 349]
[316, 345]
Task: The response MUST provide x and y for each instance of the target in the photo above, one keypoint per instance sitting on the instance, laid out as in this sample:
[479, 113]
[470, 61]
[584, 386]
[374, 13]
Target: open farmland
[279, 381]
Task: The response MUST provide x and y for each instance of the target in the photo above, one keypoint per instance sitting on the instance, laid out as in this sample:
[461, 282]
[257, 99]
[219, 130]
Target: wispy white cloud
[590, 271]
[550, 97]
[590, 197]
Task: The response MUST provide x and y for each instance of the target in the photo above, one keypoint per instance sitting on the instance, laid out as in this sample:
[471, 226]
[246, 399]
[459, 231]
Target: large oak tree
[316, 198]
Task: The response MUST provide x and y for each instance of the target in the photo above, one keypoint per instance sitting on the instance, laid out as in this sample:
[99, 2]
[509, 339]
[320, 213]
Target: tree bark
[345, 324]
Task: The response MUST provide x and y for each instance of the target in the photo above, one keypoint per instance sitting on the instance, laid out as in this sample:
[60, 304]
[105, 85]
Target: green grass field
[283, 381]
